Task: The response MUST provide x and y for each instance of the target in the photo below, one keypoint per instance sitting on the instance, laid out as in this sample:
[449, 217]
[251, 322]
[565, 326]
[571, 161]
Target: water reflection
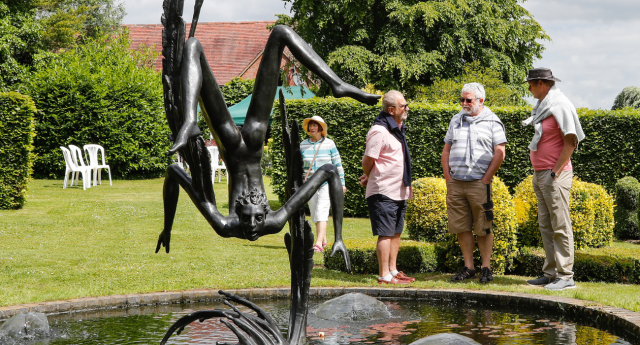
[411, 320]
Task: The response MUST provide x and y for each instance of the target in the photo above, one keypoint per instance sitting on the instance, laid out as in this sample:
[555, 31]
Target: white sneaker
[561, 284]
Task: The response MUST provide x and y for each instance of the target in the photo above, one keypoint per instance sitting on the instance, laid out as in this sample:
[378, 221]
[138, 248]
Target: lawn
[69, 243]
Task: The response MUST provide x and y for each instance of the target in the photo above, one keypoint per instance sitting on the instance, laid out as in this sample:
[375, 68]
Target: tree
[448, 90]
[628, 97]
[401, 44]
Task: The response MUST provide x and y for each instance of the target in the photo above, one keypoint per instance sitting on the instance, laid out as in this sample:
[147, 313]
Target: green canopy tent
[239, 110]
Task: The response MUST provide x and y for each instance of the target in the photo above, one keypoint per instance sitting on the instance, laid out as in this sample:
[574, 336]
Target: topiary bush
[628, 97]
[104, 93]
[504, 229]
[626, 214]
[17, 131]
[426, 216]
[591, 210]
[413, 257]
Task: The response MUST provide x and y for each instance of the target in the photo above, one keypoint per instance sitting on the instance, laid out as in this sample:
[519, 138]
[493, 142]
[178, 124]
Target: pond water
[411, 320]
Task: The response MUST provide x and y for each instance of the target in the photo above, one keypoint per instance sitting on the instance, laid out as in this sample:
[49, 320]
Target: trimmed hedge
[589, 266]
[104, 93]
[17, 131]
[413, 257]
[591, 214]
[426, 216]
[609, 151]
[626, 214]
[505, 239]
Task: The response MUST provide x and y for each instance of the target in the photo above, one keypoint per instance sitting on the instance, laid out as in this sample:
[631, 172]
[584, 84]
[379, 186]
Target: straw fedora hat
[318, 119]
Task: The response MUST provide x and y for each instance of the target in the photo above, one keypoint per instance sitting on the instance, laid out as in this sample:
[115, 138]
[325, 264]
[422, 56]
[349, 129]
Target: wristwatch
[553, 175]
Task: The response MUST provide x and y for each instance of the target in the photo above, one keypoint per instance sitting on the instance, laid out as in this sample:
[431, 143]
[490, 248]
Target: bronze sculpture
[187, 80]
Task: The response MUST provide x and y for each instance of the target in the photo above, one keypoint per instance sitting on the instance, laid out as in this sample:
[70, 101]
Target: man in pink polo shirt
[387, 176]
[557, 134]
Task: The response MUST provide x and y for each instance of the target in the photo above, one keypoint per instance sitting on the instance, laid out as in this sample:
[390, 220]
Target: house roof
[230, 47]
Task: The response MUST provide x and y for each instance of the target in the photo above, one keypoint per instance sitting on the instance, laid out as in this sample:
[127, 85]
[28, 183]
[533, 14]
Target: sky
[594, 49]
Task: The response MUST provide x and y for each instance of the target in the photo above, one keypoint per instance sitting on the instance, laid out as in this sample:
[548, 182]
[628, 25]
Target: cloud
[583, 10]
[149, 11]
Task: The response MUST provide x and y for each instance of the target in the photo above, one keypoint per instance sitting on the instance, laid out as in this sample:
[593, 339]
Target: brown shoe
[402, 276]
[393, 281]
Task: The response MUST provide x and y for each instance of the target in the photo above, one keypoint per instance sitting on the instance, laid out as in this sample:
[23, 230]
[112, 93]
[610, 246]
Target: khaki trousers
[555, 222]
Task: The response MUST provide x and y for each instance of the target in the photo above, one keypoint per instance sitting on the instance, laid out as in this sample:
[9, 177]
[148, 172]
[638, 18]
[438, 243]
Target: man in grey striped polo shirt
[474, 150]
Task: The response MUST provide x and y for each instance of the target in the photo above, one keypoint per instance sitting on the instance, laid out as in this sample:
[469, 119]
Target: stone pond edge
[624, 322]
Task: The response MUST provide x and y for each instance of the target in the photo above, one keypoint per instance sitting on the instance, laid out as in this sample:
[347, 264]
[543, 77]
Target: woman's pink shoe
[317, 248]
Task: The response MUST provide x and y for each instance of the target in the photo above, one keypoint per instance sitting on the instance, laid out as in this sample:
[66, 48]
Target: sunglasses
[467, 100]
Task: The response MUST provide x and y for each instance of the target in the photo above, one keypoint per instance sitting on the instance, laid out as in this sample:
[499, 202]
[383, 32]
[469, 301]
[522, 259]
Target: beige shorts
[469, 207]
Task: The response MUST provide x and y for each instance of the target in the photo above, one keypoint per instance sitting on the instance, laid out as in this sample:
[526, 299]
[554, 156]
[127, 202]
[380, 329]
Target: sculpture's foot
[183, 136]
[346, 90]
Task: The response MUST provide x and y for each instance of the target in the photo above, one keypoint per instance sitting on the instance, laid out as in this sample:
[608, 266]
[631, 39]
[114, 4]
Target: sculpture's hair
[254, 197]
[476, 88]
[390, 99]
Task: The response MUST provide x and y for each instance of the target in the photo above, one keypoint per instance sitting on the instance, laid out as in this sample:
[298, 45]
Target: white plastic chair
[216, 166]
[78, 159]
[95, 164]
[73, 169]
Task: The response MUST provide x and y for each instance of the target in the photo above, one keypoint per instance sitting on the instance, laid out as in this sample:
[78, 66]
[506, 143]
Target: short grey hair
[390, 99]
[476, 88]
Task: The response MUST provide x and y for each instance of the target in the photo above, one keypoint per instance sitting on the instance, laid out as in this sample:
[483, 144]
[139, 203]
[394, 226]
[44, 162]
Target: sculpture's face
[252, 219]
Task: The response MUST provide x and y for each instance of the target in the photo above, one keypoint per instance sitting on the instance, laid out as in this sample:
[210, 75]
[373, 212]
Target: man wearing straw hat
[317, 151]
[557, 134]
[387, 176]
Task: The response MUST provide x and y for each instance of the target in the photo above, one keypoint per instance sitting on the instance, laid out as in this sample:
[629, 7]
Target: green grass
[69, 243]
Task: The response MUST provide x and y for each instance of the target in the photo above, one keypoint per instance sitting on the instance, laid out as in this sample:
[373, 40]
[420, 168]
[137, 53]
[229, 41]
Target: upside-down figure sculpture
[187, 80]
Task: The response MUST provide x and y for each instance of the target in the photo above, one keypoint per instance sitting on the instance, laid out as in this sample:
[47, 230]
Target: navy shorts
[387, 216]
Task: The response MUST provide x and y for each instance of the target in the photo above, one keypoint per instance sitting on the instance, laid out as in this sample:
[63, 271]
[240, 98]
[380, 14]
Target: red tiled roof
[229, 46]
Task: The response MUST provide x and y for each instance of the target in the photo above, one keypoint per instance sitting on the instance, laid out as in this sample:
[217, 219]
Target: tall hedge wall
[609, 151]
[16, 145]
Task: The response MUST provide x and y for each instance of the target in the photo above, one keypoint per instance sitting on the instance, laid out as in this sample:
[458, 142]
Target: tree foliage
[448, 90]
[628, 97]
[400, 44]
[236, 89]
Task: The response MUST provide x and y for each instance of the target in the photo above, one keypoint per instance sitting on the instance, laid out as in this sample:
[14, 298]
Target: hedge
[609, 151]
[589, 266]
[426, 216]
[505, 239]
[626, 214]
[101, 93]
[413, 257]
[17, 131]
[591, 209]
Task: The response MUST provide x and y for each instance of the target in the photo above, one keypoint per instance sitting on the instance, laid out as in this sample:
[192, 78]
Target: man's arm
[446, 169]
[570, 144]
[499, 152]
[367, 165]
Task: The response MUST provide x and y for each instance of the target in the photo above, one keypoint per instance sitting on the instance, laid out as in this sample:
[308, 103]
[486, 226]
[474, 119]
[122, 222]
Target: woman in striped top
[317, 151]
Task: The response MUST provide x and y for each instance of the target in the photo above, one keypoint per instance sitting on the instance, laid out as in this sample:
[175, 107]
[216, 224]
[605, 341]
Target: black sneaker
[486, 275]
[540, 281]
[464, 274]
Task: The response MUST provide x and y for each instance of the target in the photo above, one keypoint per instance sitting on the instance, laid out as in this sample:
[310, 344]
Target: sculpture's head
[252, 208]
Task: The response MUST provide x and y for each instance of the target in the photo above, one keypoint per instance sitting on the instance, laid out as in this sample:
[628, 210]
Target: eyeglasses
[467, 100]
[401, 106]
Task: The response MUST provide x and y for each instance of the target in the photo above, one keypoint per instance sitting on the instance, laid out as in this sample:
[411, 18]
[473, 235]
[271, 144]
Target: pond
[410, 320]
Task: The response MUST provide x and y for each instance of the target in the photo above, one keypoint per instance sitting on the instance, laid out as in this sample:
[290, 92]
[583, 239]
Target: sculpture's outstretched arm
[326, 173]
[176, 177]
[198, 82]
[264, 91]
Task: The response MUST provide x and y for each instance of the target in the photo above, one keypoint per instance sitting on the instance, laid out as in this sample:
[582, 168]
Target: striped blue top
[328, 154]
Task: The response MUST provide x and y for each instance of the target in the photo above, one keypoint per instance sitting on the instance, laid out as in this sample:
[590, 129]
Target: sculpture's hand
[339, 246]
[163, 240]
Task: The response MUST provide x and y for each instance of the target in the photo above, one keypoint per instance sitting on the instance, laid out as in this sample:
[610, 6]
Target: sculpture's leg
[256, 123]
[198, 82]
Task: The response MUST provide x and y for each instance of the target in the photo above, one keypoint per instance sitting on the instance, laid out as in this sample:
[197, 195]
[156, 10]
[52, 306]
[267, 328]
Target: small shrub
[236, 89]
[17, 131]
[504, 229]
[591, 209]
[626, 214]
[413, 257]
[426, 217]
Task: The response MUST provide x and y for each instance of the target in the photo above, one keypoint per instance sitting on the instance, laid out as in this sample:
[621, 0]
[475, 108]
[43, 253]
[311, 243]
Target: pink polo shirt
[549, 146]
[386, 175]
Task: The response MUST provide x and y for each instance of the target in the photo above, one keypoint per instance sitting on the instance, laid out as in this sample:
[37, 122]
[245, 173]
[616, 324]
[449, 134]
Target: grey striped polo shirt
[490, 133]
